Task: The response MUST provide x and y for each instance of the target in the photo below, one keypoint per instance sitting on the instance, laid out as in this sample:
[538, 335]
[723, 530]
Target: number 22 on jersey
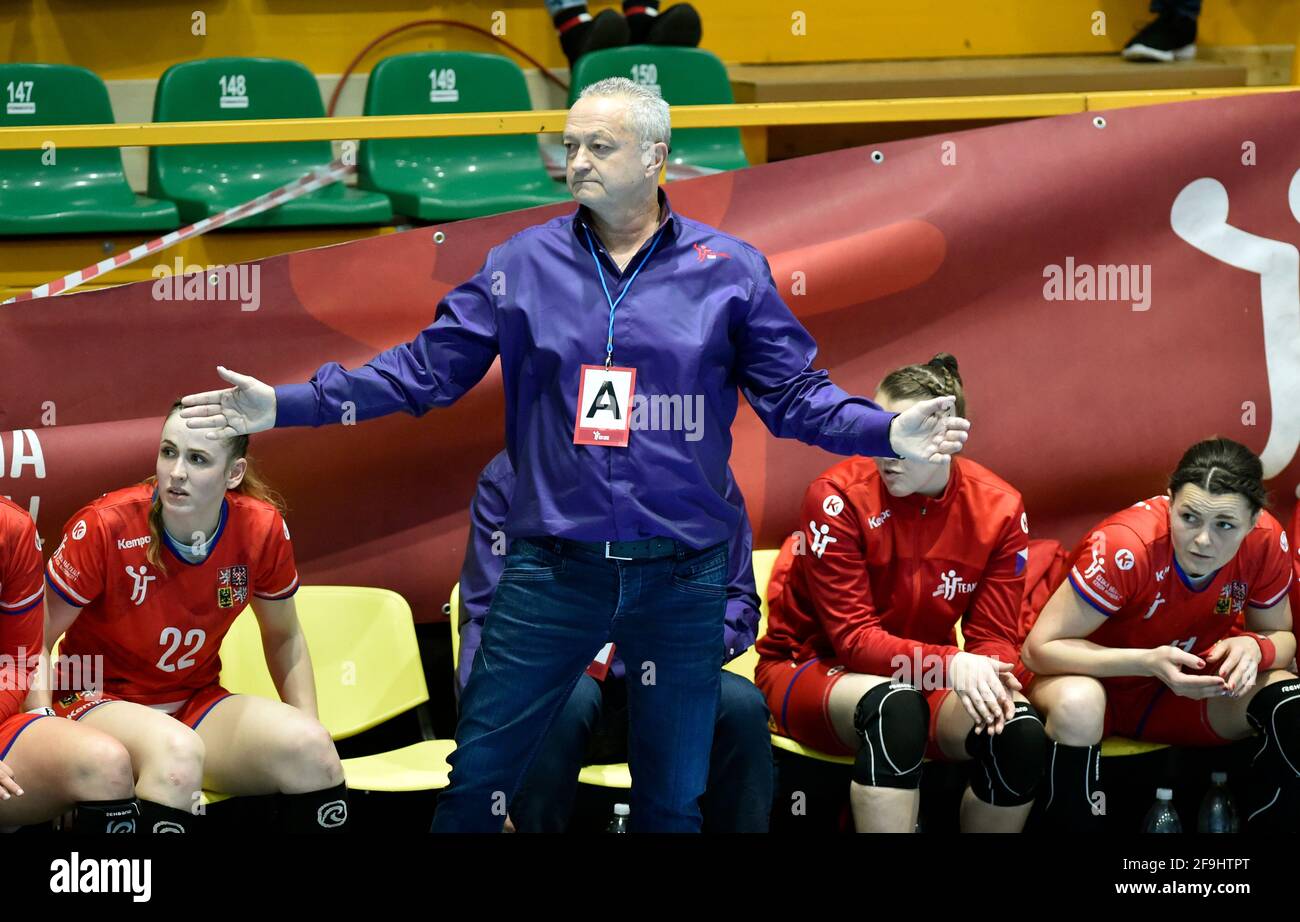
[171, 639]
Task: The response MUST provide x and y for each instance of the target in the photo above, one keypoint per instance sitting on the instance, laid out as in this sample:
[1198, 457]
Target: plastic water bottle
[1162, 817]
[1218, 813]
[619, 822]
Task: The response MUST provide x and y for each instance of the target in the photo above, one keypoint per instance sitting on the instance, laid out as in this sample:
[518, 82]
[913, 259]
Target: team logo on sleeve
[1091, 579]
[821, 537]
[833, 505]
[286, 529]
[1124, 559]
[79, 530]
[61, 562]
[1285, 549]
[1097, 564]
[232, 586]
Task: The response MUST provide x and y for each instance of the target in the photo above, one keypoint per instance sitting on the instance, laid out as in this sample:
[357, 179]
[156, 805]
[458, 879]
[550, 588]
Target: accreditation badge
[604, 406]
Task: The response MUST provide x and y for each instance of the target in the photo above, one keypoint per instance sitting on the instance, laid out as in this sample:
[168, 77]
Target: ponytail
[938, 377]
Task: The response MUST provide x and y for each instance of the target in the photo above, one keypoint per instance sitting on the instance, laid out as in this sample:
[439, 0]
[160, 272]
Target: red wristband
[1268, 652]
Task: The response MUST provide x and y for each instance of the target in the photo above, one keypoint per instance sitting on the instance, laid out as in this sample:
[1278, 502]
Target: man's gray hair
[647, 111]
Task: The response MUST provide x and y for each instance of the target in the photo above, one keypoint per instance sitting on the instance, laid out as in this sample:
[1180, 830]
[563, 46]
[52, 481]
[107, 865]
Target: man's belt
[646, 549]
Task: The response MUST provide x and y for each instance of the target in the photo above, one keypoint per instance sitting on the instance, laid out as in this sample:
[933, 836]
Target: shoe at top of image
[1171, 37]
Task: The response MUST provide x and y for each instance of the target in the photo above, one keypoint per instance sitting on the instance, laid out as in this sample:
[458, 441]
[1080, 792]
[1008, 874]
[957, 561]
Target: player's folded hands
[984, 685]
[1167, 664]
[1236, 660]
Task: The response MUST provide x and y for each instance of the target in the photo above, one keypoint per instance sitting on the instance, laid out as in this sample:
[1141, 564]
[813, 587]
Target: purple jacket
[482, 569]
[703, 319]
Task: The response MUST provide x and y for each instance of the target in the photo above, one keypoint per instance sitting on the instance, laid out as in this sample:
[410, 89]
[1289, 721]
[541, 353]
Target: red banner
[1115, 286]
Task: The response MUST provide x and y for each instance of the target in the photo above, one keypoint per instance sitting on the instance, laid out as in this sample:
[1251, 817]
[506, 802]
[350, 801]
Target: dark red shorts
[10, 728]
[798, 697]
[75, 705]
[1147, 710]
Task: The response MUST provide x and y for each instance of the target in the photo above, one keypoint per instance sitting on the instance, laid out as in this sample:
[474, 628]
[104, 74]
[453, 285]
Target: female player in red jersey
[151, 578]
[860, 652]
[1171, 627]
[47, 766]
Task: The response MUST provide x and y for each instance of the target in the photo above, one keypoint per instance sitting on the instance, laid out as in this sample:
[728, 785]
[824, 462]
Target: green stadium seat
[205, 179]
[685, 77]
[448, 179]
[67, 190]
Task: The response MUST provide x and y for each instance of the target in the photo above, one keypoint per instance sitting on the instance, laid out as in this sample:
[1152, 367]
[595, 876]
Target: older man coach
[617, 532]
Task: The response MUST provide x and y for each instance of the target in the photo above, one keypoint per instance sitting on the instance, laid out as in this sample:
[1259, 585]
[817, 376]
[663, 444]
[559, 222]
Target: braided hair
[936, 378]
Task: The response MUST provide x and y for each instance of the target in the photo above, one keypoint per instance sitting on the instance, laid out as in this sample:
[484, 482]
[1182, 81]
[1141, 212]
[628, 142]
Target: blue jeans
[553, 610]
[592, 727]
[1189, 8]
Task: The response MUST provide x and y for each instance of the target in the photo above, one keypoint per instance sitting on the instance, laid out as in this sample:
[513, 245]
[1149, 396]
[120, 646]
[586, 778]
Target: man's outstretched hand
[246, 408]
[929, 431]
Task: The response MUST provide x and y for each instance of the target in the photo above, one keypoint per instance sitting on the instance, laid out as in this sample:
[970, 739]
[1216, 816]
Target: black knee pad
[1009, 765]
[893, 722]
[95, 816]
[1275, 713]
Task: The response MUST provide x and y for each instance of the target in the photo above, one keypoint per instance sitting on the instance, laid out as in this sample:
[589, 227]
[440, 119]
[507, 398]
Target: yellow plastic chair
[745, 664]
[1120, 746]
[799, 749]
[367, 667]
[453, 619]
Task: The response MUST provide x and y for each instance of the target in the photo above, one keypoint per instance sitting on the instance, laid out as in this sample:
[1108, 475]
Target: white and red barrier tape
[314, 180]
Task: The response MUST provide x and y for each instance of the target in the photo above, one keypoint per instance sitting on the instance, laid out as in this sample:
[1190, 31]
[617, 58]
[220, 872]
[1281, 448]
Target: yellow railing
[947, 108]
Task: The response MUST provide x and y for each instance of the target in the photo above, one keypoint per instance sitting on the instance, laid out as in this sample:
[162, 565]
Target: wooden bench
[752, 83]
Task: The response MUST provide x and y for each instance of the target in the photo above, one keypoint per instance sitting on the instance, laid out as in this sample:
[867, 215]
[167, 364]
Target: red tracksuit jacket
[882, 577]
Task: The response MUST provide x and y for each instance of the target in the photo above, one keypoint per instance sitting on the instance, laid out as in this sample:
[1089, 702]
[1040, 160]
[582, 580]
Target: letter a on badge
[604, 396]
[606, 399]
